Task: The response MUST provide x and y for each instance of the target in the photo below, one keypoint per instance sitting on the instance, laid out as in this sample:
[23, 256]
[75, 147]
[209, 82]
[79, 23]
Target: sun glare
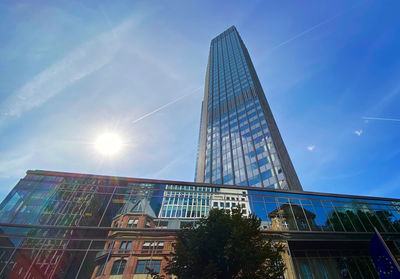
[108, 144]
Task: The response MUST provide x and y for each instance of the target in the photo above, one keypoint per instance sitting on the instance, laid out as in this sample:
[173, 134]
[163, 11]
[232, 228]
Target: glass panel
[312, 216]
[386, 217]
[301, 219]
[396, 220]
[286, 214]
[351, 264]
[333, 219]
[7, 257]
[344, 218]
[363, 215]
[257, 208]
[274, 218]
[375, 221]
[322, 217]
[304, 269]
[352, 215]
[341, 266]
[364, 265]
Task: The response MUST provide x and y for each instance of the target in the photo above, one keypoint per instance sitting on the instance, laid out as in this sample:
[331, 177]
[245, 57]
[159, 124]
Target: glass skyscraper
[239, 143]
[57, 225]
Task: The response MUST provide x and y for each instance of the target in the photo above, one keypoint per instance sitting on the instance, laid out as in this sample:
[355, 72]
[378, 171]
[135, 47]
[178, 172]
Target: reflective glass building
[65, 225]
[68, 225]
[240, 143]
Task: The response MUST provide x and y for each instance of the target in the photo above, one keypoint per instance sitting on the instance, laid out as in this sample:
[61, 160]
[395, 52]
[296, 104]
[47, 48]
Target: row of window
[231, 58]
[253, 108]
[142, 267]
[147, 248]
[132, 223]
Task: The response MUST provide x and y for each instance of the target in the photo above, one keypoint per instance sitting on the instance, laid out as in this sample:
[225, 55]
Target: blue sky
[72, 70]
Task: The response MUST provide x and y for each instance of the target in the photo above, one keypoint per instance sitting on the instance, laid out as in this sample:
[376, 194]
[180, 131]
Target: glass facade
[61, 225]
[65, 225]
[239, 141]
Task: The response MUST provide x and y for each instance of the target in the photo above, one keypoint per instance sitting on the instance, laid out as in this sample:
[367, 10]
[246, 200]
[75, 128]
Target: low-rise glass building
[65, 225]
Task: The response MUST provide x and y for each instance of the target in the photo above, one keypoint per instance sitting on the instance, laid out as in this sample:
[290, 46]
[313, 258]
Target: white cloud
[310, 147]
[358, 132]
[88, 58]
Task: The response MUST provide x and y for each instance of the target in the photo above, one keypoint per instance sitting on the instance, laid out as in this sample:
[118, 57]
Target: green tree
[225, 245]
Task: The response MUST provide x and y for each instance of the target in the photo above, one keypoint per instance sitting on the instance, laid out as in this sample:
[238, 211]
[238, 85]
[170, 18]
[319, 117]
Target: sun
[108, 144]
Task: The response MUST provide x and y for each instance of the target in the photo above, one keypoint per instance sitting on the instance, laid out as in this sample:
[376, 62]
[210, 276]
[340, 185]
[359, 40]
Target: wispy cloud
[381, 118]
[310, 147]
[166, 105]
[382, 102]
[301, 34]
[79, 63]
[358, 132]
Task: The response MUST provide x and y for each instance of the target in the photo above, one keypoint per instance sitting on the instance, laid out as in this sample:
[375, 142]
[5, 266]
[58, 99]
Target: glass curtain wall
[239, 148]
[62, 226]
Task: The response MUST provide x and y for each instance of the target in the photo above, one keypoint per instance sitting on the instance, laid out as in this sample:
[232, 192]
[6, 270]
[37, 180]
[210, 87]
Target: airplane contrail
[312, 28]
[380, 118]
[166, 105]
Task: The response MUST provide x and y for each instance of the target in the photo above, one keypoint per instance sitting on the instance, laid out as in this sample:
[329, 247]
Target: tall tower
[239, 141]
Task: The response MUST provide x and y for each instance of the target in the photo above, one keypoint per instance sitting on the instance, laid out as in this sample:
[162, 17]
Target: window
[144, 266]
[266, 174]
[118, 267]
[125, 245]
[132, 223]
[263, 161]
[159, 248]
[147, 224]
[146, 247]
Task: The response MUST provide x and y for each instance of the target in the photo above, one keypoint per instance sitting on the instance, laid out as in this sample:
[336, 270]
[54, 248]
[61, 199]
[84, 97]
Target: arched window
[118, 267]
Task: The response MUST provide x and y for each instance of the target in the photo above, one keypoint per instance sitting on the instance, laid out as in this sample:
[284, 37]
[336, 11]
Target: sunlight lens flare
[108, 144]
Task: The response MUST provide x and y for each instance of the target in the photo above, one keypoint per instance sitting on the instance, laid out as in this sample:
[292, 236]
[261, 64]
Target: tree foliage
[225, 245]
